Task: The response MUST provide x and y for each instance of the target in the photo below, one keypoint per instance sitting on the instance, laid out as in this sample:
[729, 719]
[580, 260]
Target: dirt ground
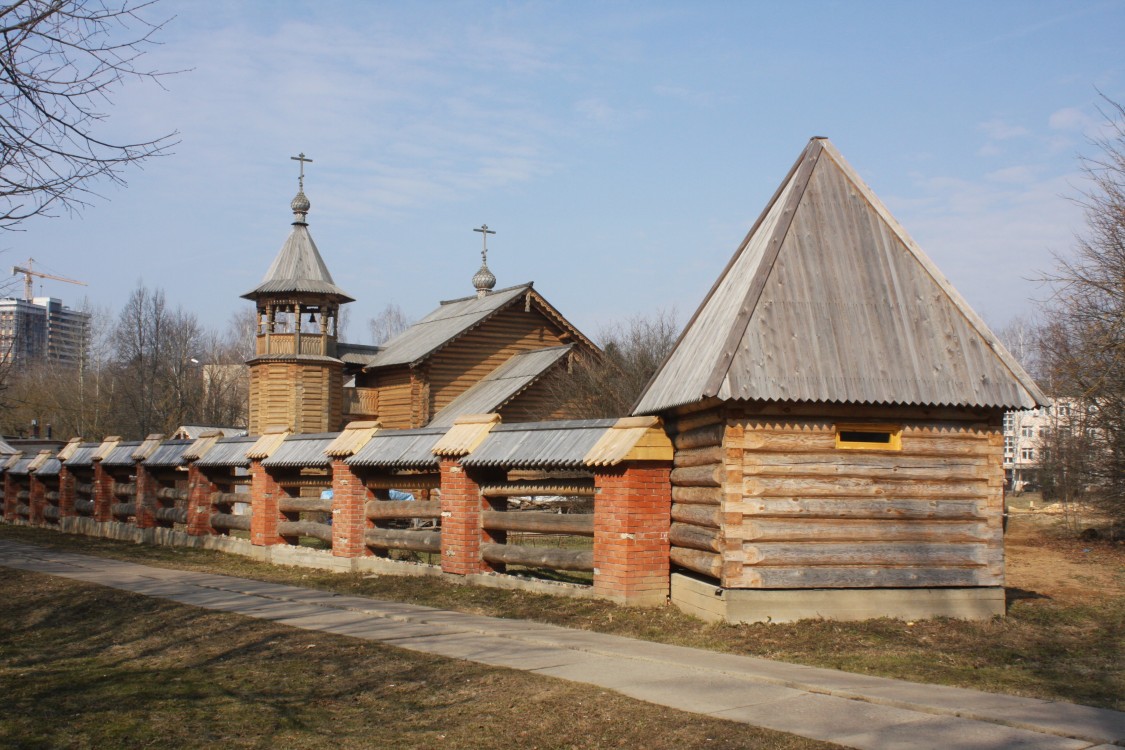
[1044, 561]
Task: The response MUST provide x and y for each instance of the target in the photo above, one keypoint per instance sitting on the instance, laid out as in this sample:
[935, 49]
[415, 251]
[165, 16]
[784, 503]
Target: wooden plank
[699, 515]
[695, 537]
[837, 529]
[862, 577]
[891, 508]
[707, 563]
[782, 554]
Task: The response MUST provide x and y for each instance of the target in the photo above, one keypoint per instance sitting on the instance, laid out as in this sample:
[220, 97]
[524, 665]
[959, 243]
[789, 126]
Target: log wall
[302, 396]
[696, 534]
[798, 512]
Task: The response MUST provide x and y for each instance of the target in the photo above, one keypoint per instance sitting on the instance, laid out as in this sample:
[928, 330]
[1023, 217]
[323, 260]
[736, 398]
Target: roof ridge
[493, 293]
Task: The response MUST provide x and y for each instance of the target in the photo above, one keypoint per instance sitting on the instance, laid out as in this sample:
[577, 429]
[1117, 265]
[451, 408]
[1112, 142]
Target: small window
[869, 437]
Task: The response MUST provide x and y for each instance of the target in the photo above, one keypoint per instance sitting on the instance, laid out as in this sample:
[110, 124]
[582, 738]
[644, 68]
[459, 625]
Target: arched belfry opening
[296, 380]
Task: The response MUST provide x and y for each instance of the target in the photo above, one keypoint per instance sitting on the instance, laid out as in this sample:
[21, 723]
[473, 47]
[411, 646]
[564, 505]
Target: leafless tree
[1083, 341]
[60, 65]
[387, 324]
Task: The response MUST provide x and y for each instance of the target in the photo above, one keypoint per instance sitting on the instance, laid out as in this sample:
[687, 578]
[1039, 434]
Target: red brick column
[145, 498]
[200, 488]
[265, 495]
[36, 499]
[349, 519]
[10, 500]
[632, 516]
[103, 493]
[67, 493]
[461, 532]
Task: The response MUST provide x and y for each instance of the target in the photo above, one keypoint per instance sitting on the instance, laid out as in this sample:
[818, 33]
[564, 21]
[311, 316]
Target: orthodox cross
[301, 180]
[484, 232]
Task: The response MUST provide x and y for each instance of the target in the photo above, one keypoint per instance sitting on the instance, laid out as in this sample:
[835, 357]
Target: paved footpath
[849, 709]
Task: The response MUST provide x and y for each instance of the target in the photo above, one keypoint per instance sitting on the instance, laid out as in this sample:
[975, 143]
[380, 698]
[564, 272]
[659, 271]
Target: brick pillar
[200, 488]
[103, 493]
[632, 517]
[67, 493]
[265, 494]
[36, 499]
[145, 498]
[461, 532]
[10, 501]
[349, 518]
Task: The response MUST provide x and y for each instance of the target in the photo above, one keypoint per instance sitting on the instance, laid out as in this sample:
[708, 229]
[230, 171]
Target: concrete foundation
[709, 601]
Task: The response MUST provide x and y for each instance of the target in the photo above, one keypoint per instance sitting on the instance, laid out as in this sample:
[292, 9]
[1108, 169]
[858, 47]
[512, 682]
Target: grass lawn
[82, 666]
[1062, 639]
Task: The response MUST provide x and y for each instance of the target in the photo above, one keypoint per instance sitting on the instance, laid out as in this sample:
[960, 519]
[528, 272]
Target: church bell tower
[296, 381]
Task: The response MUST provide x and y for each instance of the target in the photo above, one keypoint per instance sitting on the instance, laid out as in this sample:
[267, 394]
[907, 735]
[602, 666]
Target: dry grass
[1053, 647]
[83, 666]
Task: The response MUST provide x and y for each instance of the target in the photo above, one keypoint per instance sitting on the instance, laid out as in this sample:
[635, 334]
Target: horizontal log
[913, 444]
[698, 495]
[695, 537]
[860, 530]
[860, 507]
[52, 496]
[84, 507]
[863, 577]
[712, 454]
[782, 554]
[321, 531]
[23, 495]
[566, 487]
[51, 513]
[538, 557]
[229, 521]
[171, 493]
[761, 486]
[698, 515]
[707, 563]
[427, 540]
[304, 505]
[171, 515]
[689, 422]
[84, 489]
[122, 510]
[402, 481]
[23, 509]
[226, 498]
[122, 489]
[698, 476]
[837, 466]
[698, 438]
[378, 510]
[578, 524]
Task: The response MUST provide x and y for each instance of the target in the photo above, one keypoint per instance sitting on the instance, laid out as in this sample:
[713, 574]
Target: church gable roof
[829, 299]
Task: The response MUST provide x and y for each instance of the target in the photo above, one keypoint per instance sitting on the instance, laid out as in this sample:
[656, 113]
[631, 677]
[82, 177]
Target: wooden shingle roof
[828, 299]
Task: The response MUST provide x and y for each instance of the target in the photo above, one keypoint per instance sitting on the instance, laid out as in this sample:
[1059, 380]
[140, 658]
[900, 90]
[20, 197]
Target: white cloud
[998, 130]
[1068, 118]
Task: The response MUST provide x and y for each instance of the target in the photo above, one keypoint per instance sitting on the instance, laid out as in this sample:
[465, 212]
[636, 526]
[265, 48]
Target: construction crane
[29, 271]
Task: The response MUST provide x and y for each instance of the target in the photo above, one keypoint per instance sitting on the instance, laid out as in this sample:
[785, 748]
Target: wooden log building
[836, 407]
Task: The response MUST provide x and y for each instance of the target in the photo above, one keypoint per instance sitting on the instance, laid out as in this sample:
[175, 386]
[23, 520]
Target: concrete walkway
[849, 709]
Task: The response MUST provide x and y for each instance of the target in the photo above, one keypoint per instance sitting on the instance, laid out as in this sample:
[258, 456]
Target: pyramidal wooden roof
[829, 300]
[298, 268]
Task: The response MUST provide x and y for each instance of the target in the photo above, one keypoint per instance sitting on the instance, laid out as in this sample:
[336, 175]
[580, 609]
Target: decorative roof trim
[354, 436]
[631, 439]
[70, 449]
[267, 443]
[108, 446]
[465, 435]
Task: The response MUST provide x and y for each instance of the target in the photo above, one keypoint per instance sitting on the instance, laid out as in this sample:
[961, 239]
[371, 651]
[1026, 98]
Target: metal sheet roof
[21, 466]
[546, 445]
[228, 452]
[169, 453]
[355, 354]
[122, 455]
[299, 268]
[449, 321]
[502, 384]
[829, 300]
[84, 455]
[400, 449]
[50, 468]
[302, 450]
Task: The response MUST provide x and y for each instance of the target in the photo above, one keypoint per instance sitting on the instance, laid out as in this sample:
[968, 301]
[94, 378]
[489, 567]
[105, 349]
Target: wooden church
[495, 351]
[836, 407]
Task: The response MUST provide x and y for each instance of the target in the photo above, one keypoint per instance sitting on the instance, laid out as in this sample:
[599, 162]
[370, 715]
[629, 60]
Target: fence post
[632, 518]
[67, 493]
[36, 499]
[103, 492]
[145, 498]
[265, 497]
[461, 506]
[10, 500]
[200, 488]
[349, 514]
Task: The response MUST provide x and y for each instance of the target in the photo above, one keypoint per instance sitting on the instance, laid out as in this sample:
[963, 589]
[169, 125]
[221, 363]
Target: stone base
[709, 601]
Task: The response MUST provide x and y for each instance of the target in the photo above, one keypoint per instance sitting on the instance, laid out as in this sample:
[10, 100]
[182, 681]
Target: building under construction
[42, 329]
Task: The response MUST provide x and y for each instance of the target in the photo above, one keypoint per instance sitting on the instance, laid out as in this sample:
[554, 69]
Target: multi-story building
[42, 329]
[1022, 431]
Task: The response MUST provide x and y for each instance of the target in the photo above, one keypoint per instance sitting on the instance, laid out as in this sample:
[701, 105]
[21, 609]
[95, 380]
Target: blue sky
[620, 149]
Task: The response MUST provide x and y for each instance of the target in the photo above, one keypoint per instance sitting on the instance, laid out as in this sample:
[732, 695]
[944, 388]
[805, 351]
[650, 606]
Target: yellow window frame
[849, 437]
